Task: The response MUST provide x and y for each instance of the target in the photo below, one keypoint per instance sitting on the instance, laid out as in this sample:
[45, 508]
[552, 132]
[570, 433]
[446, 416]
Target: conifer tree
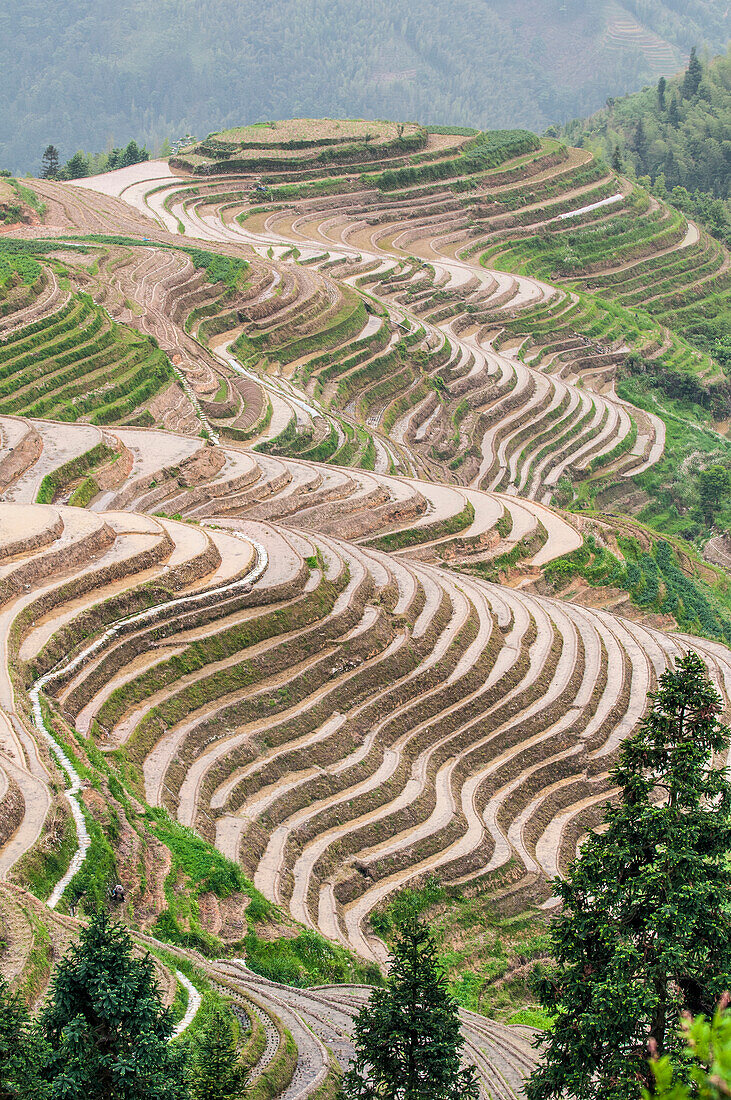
[215, 1070]
[640, 143]
[714, 489]
[50, 163]
[407, 1037]
[106, 1025]
[76, 168]
[22, 1051]
[645, 929]
[693, 76]
[661, 88]
[133, 154]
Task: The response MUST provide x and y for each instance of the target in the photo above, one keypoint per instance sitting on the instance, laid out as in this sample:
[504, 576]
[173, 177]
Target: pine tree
[640, 144]
[133, 154]
[617, 160]
[645, 929]
[215, 1070]
[50, 163]
[693, 76]
[106, 1025]
[22, 1051]
[661, 87]
[407, 1037]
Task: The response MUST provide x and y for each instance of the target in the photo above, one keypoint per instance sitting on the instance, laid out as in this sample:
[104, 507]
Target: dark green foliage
[714, 488]
[83, 164]
[684, 130]
[106, 1025]
[645, 928]
[679, 384]
[22, 1051]
[123, 158]
[76, 168]
[654, 579]
[215, 1072]
[715, 214]
[407, 1038]
[639, 142]
[693, 76]
[674, 113]
[50, 163]
[661, 89]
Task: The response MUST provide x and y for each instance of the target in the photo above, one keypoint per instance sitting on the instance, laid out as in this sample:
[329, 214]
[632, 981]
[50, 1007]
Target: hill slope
[675, 132]
[85, 76]
[362, 586]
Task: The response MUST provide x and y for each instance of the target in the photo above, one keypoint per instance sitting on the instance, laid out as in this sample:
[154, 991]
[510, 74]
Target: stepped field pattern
[288, 427]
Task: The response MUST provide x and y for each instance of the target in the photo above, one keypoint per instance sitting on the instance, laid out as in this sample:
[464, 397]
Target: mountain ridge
[132, 72]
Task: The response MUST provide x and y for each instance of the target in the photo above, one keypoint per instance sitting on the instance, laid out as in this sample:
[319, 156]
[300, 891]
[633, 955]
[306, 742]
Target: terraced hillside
[294, 1042]
[330, 565]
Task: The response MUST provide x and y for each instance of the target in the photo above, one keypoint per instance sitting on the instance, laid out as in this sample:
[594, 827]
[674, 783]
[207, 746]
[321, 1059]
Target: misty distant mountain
[89, 74]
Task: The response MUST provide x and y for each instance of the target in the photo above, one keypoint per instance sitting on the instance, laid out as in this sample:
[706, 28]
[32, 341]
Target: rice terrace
[354, 497]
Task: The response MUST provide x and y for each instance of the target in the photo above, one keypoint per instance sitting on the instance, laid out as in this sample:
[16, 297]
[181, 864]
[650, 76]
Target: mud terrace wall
[342, 720]
[278, 467]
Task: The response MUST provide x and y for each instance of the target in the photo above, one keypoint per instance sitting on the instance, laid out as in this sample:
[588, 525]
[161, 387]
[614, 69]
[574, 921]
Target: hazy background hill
[87, 73]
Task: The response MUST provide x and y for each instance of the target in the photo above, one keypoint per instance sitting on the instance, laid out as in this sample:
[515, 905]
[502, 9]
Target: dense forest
[678, 128]
[92, 75]
[677, 134]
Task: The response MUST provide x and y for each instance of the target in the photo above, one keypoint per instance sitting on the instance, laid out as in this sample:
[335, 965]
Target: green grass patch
[307, 959]
[205, 867]
[653, 578]
[478, 948]
[219, 269]
[55, 482]
[415, 536]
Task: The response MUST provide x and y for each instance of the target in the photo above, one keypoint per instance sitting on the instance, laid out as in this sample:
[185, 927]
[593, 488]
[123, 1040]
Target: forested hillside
[678, 129]
[94, 75]
[682, 21]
